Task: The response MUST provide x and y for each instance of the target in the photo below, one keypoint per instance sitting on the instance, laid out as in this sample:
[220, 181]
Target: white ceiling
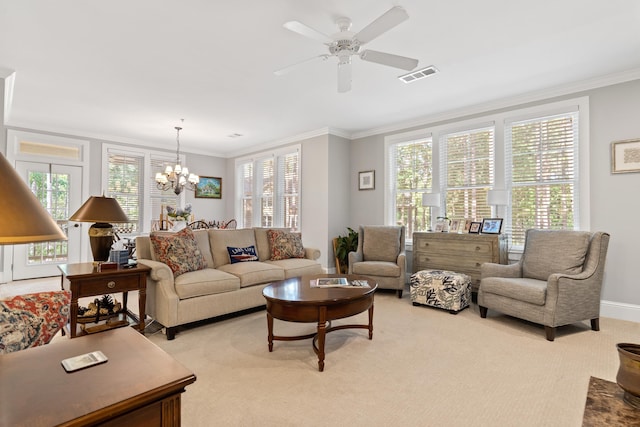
[130, 70]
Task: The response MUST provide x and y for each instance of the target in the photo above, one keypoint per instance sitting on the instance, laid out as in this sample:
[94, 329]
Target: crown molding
[552, 92]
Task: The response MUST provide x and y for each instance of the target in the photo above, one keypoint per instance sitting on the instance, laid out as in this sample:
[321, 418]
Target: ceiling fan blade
[344, 77]
[305, 30]
[285, 70]
[388, 59]
[384, 23]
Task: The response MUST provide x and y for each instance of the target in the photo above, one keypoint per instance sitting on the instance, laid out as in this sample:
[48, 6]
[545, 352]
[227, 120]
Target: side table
[84, 280]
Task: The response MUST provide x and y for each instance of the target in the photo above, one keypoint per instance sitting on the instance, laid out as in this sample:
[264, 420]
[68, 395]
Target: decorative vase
[179, 225]
[628, 377]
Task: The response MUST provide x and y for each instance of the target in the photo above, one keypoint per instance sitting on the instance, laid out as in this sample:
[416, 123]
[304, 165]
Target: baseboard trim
[620, 310]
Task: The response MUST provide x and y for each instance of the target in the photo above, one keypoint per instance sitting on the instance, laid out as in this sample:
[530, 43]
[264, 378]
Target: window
[468, 172]
[539, 155]
[130, 178]
[410, 170]
[271, 183]
[125, 185]
[543, 174]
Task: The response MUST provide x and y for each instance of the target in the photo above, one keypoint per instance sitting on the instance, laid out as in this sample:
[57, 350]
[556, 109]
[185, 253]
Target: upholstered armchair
[381, 256]
[33, 319]
[556, 282]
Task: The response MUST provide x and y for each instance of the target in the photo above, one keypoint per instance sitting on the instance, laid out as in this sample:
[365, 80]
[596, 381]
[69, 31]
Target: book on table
[338, 282]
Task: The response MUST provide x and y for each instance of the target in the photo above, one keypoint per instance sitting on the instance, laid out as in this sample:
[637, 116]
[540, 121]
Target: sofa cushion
[205, 282]
[554, 251]
[242, 254]
[262, 242]
[377, 268]
[254, 273]
[179, 251]
[294, 267]
[202, 237]
[533, 291]
[220, 239]
[381, 243]
[285, 245]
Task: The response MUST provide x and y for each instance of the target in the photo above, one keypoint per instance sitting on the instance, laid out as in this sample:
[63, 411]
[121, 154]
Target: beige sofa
[222, 287]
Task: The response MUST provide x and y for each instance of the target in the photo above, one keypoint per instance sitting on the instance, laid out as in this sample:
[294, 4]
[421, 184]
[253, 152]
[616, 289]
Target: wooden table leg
[371, 321]
[322, 332]
[270, 330]
[142, 302]
[73, 316]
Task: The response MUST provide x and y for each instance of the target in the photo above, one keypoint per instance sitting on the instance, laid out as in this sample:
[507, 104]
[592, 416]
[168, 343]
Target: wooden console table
[140, 384]
[462, 253]
[84, 280]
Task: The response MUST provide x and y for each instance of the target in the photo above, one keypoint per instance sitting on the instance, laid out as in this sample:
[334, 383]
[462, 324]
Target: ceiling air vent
[419, 74]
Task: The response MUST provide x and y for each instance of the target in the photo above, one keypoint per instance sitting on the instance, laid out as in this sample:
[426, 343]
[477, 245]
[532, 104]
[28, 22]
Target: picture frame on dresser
[491, 226]
[474, 227]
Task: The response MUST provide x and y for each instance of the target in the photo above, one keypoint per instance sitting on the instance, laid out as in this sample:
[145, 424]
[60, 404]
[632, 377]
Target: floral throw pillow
[179, 251]
[242, 254]
[285, 245]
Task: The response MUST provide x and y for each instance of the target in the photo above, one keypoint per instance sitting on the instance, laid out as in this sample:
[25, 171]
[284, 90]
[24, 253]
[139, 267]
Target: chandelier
[178, 177]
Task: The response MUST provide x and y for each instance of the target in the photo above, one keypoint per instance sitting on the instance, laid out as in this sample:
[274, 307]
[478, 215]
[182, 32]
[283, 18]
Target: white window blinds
[468, 169]
[410, 172]
[272, 185]
[160, 197]
[543, 173]
[124, 183]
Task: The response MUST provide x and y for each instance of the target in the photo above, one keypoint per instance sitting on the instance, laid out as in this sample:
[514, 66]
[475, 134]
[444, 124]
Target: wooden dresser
[462, 253]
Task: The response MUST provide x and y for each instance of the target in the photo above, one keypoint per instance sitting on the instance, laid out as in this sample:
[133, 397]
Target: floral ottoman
[442, 289]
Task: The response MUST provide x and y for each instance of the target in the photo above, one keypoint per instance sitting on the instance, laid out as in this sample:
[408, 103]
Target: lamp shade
[23, 219]
[497, 197]
[431, 199]
[100, 209]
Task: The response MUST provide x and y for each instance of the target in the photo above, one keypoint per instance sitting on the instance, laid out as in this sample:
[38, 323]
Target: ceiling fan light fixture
[418, 74]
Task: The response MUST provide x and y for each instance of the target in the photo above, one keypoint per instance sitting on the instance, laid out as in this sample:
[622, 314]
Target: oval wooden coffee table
[295, 300]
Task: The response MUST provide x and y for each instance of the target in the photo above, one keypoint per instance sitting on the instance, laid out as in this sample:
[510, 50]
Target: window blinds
[543, 173]
[125, 184]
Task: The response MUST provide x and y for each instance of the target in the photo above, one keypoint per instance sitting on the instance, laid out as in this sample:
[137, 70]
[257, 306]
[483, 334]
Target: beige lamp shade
[22, 217]
[431, 199]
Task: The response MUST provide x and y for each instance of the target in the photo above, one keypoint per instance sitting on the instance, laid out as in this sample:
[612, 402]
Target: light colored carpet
[424, 367]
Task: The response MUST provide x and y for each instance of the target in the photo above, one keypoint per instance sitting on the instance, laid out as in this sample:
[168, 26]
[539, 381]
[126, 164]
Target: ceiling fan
[344, 44]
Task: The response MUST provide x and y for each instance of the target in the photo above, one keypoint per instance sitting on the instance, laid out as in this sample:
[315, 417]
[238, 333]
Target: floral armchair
[33, 319]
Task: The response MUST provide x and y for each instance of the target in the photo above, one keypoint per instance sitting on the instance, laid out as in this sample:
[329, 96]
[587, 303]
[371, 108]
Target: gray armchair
[556, 282]
[381, 256]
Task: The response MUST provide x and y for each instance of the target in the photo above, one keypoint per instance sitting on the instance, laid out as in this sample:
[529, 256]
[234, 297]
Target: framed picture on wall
[625, 156]
[367, 180]
[209, 187]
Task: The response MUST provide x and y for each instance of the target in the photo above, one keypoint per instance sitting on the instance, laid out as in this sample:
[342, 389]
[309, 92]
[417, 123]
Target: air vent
[419, 74]
[235, 135]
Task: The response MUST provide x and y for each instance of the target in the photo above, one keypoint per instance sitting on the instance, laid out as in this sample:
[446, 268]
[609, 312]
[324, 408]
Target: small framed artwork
[474, 227]
[209, 187]
[625, 156]
[455, 226]
[467, 225]
[367, 180]
[491, 226]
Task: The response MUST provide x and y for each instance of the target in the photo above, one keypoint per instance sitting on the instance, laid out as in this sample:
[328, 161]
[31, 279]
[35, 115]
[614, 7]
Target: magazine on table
[338, 282]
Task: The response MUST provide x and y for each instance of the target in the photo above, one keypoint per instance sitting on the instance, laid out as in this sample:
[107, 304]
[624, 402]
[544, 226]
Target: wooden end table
[84, 280]
[295, 300]
[140, 384]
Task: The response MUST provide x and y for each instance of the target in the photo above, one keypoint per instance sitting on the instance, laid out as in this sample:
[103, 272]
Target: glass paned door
[59, 190]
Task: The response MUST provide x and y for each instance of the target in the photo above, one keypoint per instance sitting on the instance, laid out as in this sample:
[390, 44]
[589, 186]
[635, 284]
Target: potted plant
[342, 245]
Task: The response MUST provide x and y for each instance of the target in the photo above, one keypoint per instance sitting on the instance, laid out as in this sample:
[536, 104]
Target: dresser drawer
[453, 247]
[107, 285]
[444, 262]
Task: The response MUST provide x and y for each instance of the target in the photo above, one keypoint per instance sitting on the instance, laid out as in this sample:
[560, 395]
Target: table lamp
[432, 200]
[497, 198]
[23, 218]
[102, 211]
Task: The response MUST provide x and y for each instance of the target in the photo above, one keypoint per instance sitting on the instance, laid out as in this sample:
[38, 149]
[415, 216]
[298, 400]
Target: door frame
[17, 149]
